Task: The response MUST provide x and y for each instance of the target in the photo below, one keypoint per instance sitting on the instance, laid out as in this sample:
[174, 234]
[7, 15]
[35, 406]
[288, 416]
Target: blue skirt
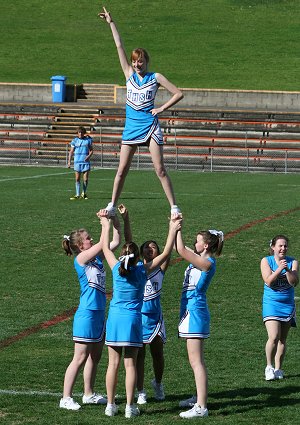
[153, 324]
[124, 329]
[89, 325]
[194, 324]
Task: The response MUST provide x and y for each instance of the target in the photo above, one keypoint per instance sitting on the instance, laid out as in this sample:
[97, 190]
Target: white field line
[31, 392]
[41, 393]
[34, 177]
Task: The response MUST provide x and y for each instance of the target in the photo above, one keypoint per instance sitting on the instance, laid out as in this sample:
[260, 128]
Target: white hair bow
[126, 258]
[66, 237]
[218, 233]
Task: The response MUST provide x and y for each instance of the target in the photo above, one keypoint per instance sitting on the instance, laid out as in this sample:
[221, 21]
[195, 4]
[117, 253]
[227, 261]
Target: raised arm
[116, 240]
[125, 65]
[174, 226]
[127, 228]
[108, 254]
[176, 92]
[189, 255]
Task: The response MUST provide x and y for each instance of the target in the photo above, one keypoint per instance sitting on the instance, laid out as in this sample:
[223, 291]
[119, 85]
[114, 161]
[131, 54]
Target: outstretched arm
[116, 240]
[126, 66]
[108, 254]
[177, 94]
[127, 228]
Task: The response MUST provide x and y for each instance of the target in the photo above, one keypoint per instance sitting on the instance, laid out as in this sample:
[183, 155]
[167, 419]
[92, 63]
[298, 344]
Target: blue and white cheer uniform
[89, 319]
[140, 124]
[194, 312]
[278, 299]
[82, 148]
[152, 317]
[124, 322]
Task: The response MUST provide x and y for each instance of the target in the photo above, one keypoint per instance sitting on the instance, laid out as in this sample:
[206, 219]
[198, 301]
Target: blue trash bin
[58, 88]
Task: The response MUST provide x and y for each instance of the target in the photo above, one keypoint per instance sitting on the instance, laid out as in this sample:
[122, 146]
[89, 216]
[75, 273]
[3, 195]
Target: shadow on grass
[238, 400]
[242, 400]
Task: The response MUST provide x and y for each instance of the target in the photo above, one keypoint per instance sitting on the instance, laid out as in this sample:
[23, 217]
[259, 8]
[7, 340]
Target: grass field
[230, 44]
[39, 289]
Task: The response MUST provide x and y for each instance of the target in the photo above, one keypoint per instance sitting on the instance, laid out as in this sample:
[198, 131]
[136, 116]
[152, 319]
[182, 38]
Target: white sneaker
[131, 411]
[111, 209]
[111, 410]
[142, 397]
[69, 404]
[189, 402]
[278, 374]
[269, 373]
[175, 209]
[94, 399]
[158, 390]
[195, 412]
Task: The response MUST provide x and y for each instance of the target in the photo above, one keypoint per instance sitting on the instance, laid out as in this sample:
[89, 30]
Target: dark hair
[127, 249]
[275, 239]
[214, 242]
[71, 243]
[139, 52]
[147, 243]
[81, 129]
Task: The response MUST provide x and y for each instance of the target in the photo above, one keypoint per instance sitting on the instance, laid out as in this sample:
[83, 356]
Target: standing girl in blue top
[82, 149]
[280, 275]
[89, 319]
[141, 125]
[124, 323]
[194, 323]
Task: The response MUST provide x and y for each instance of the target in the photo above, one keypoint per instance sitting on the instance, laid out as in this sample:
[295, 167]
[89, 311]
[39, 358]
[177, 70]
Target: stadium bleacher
[195, 139]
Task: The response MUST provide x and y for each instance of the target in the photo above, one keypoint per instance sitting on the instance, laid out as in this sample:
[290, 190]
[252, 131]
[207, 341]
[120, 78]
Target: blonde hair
[138, 53]
[214, 242]
[71, 243]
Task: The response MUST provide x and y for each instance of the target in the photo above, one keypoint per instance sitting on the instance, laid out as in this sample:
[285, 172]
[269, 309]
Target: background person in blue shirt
[82, 149]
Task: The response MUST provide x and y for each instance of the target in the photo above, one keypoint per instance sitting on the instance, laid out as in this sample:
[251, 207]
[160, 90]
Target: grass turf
[38, 284]
[230, 44]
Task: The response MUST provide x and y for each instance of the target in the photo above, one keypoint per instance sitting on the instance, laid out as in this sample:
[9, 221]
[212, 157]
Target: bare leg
[157, 353]
[130, 356]
[126, 154]
[81, 353]
[140, 367]
[114, 357]
[273, 329]
[196, 359]
[90, 368]
[158, 163]
[281, 346]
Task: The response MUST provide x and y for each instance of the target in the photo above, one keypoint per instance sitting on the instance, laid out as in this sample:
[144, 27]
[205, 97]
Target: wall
[193, 98]
[228, 99]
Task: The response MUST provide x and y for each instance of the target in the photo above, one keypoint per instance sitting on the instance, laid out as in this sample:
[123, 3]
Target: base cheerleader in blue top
[141, 125]
[89, 319]
[194, 323]
[124, 324]
[280, 276]
[154, 332]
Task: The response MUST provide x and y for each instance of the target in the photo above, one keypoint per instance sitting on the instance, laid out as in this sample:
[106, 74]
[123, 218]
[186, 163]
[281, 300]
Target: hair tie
[218, 233]
[67, 238]
[126, 258]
